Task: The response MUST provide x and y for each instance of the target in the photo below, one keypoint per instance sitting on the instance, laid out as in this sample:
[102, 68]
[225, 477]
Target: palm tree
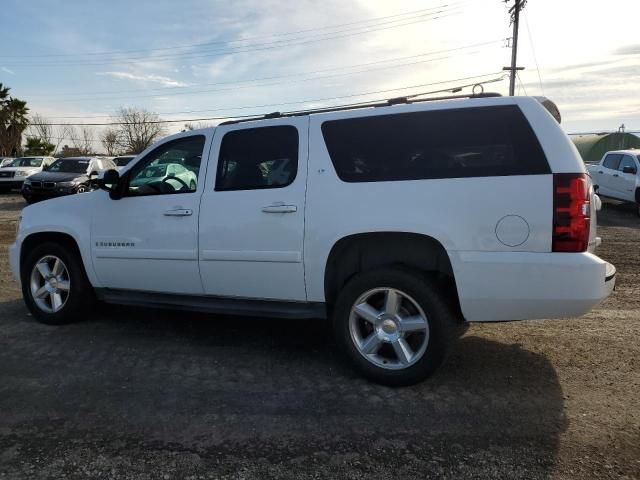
[13, 122]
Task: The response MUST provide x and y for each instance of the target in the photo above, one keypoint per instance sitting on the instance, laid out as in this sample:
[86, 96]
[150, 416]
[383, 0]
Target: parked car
[14, 174]
[65, 176]
[5, 161]
[122, 161]
[617, 177]
[399, 222]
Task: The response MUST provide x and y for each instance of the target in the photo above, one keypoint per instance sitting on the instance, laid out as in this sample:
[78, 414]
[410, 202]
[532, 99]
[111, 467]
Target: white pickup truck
[398, 221]
[617, 177]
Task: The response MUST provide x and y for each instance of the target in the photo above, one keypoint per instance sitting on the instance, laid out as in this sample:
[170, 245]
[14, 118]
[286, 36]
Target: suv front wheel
[54, 284]
[394, 325]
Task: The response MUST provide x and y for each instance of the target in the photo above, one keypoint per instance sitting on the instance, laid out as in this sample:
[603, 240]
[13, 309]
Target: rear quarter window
[456, 143]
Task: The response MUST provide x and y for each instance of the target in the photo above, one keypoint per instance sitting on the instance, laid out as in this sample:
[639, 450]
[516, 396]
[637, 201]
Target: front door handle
[280, 209]
[616, 175]
[179, 212]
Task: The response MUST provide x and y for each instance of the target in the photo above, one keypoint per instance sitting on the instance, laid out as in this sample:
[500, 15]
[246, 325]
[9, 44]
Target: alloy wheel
[50, 284]
[389, 328]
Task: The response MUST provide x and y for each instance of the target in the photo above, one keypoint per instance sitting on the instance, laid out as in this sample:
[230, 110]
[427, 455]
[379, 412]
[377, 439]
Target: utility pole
[515, 20]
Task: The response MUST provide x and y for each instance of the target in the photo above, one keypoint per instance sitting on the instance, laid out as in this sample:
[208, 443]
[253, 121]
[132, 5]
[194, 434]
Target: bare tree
[109, 139]
[42, 129]
[82, 139]
[138, 128]
[63, 132]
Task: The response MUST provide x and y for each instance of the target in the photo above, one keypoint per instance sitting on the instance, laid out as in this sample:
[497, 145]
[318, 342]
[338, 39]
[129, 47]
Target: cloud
[628, 50]
[5, 69]
[581, 66]
[162, 80]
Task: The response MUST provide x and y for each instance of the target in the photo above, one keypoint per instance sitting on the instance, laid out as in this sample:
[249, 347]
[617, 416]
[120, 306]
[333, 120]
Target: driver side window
[171, 168]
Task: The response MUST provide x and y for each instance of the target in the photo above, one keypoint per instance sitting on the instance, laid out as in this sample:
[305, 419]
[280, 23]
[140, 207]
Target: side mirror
[629, 169]
[93, 174]
[109, 182]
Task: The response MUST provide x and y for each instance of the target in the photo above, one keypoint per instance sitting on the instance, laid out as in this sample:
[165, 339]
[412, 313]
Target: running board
[212, 304]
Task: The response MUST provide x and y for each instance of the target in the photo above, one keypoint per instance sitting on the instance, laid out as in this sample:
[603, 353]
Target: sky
[79, 61]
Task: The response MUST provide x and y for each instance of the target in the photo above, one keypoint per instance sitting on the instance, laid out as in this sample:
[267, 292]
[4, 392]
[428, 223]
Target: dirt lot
[144, 394]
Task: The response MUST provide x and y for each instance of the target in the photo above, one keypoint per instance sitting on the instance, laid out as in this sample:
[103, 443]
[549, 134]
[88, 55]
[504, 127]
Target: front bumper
[519, 286]
[35, 194]
[14, 183]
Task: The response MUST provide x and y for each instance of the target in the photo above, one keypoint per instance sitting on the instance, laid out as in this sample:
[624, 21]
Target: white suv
[399, 222]
[15, 173]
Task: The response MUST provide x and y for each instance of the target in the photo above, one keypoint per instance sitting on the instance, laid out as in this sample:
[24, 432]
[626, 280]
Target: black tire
[426, 293]
[4, 189]
[81, 296]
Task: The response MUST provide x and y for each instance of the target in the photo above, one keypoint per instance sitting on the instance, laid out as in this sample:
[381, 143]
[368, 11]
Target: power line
[240, 87]
[533, 51]
[521, 84]
[162, 90]
[261, 37]
[186, 120]
[231, 51]
[234, 86]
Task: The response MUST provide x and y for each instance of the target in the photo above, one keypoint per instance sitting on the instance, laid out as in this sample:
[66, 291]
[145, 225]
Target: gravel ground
[135, 393]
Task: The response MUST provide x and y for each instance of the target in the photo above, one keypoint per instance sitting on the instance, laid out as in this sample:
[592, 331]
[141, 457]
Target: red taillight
[571, 212]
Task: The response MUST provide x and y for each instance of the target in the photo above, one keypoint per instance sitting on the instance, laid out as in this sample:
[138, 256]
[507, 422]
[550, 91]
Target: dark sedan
[65, 176]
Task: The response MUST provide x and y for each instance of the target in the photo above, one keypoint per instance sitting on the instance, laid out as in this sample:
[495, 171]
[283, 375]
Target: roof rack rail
[356, 106]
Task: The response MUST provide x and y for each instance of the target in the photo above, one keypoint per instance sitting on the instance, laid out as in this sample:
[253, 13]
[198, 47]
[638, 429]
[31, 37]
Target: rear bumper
[519, 286]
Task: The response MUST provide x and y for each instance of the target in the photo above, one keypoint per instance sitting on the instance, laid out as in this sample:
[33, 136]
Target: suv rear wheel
[54, 285]
[394, 325]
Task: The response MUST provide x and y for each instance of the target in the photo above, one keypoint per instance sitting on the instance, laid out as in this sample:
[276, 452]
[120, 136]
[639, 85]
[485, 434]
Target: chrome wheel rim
[50, 284]
[389, 328]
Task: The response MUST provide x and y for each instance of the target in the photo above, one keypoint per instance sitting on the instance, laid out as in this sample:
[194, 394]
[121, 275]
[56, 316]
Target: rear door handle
[616, 175]
[280, 209]
[179, 212]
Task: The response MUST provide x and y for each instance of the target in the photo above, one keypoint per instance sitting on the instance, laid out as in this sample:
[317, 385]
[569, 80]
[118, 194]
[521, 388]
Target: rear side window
[612, 161]
[265, 157]
[458, 143]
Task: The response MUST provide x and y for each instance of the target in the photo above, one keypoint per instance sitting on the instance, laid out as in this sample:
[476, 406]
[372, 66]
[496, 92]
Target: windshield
[26, 162]
[122, 161]
[69, 166]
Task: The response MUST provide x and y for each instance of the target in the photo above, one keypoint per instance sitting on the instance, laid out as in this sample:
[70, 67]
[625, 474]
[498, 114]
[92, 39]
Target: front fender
[65, 215]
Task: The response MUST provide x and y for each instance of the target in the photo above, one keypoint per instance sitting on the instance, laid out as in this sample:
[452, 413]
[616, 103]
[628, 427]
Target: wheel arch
[62, 238]
[358, 252]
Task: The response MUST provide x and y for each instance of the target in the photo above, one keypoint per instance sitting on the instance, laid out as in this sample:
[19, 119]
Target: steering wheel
[166, 180]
